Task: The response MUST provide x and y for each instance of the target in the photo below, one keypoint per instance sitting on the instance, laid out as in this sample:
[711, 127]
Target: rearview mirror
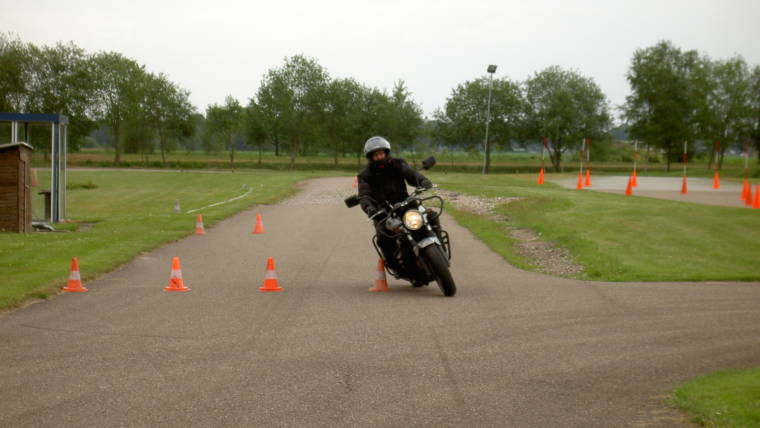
[428, 163]
[352, 201]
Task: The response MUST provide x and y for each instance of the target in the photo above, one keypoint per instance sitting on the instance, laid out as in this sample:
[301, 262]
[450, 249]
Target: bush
[75, 186]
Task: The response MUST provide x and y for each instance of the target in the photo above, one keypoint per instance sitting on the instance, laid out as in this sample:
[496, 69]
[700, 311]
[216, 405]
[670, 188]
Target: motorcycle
[423, 249]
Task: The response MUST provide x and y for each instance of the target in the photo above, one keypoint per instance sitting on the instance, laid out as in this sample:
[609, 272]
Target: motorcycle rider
[385, 179]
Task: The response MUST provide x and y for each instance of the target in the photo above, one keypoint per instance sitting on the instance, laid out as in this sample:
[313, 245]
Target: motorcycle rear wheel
[440, 267]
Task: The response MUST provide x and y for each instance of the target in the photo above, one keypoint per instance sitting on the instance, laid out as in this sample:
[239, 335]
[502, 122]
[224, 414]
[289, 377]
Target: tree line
[682, 96]
[143, 111]
[298, 109]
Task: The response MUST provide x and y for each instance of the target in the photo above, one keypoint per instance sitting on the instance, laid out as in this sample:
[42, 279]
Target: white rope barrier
[223, 202]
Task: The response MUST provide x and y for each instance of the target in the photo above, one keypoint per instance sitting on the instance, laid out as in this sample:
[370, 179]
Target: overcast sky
[219, 48]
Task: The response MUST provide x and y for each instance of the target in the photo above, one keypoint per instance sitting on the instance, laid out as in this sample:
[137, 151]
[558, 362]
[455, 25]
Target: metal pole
[635, 154]
[544, 149]
[53, 185]
[746, 158]
[64, 151]
[588, 151]
[717, 154]
[488, 119]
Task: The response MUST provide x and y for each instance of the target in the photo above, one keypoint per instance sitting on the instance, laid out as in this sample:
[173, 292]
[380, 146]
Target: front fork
[441, 238]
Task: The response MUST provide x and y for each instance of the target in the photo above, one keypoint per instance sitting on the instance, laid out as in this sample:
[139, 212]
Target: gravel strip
[545, 256]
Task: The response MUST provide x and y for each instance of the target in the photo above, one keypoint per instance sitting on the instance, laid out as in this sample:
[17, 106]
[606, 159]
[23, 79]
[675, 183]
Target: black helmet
[374, 144]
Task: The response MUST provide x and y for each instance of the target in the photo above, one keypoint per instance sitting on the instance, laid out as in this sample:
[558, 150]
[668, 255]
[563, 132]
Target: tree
[63, 84]
[168, 111]
[53, 80]
[254, 127]
[341, 117]
[225, 122]
[755, 109]
[270, 110]
[464, 118]
[405, 117]
[119, 85]
[566, 108]
[194, 140]
[667, 87]
[726, 116]
[15, 73]
[292, 99]
[373, 118]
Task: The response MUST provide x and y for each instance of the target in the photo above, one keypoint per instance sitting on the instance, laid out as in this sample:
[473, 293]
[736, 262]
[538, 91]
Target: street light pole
[491, 71]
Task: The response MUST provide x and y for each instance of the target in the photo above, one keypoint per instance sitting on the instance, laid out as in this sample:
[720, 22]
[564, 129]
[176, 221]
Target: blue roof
[33, 117]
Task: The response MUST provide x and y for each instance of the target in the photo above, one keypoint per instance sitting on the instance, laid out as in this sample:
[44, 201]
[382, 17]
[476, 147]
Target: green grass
[723, 399]
[129, 212]
[492, 234]
[617, 237]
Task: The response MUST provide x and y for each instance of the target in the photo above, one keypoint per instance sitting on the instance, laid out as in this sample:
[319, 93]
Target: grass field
[120, 214]
[615, 237]
[723, 399]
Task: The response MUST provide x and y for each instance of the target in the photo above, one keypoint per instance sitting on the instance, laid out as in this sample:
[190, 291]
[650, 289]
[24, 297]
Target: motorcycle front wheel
[440, 267]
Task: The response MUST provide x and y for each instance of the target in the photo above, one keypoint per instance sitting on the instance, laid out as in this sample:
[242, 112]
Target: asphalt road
[513, 348]
[700, 190]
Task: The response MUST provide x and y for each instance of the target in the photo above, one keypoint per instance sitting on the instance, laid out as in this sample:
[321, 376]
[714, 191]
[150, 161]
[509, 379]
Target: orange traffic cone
[270, 280]
[199, 230]
[541, 176]
[579, 186]
[75, 281]
[259, 228]
[746, 189]
[175, 278]
[634, 180]
[588, 177]
[380, 283]
[356, 183]
[748, 201]
[716, 181]
[629, 187]
[756, 203]
[684, 189]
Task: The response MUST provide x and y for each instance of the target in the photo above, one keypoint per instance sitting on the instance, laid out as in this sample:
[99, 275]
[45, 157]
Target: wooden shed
[15, 187]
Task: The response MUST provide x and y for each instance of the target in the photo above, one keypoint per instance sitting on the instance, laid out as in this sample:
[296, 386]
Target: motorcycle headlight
[413, 220]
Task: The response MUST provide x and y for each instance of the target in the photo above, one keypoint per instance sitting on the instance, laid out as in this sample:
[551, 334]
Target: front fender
[425, 242]
[430, 240]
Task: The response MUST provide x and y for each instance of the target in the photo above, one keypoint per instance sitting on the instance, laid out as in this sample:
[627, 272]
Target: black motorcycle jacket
[386, 181]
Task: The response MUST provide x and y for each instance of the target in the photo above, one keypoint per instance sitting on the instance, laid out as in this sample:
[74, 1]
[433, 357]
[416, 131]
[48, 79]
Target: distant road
[700, 189]
[513, 348]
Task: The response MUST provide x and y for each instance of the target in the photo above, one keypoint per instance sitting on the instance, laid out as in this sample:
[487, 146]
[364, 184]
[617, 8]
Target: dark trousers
[387, 245]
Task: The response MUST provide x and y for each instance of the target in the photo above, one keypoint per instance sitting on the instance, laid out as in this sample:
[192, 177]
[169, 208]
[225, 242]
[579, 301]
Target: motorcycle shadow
[402, 290]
